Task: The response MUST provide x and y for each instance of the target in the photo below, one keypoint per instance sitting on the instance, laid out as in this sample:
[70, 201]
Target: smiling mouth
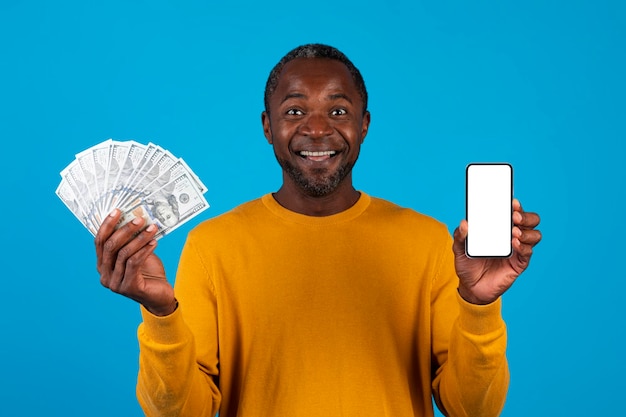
[317, 155]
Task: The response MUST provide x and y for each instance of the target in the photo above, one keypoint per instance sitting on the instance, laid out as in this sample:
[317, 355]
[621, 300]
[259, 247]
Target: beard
[320, 183]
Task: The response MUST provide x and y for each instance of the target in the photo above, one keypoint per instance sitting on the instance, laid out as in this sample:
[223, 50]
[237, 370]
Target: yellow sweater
[350, 315]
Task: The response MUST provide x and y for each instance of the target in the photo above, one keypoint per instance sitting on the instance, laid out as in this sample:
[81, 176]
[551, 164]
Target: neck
[294, 199]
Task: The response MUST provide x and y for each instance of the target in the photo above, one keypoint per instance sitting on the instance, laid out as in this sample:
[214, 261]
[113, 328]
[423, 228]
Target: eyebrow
[340, 95]
[330, 97]
[292, 95]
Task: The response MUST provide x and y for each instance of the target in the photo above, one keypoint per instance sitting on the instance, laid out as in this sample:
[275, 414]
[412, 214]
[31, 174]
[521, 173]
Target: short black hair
[314, 50]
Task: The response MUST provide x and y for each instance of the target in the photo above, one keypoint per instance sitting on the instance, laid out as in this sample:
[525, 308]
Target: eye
[294, 112]
[339, 112]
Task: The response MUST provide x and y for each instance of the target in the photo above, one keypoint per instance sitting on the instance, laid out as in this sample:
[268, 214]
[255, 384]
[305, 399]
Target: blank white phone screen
[489, 194]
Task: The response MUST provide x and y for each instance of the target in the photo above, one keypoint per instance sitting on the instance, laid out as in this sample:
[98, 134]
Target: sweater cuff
[165, 330]
[480, 319]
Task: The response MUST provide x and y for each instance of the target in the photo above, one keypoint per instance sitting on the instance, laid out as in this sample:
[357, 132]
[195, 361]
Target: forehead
[315, 74]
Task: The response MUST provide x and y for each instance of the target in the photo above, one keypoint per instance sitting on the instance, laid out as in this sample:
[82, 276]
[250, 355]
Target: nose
[316, 125]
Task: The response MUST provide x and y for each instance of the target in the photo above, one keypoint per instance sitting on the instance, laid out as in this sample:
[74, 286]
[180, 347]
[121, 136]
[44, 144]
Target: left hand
[483, 280]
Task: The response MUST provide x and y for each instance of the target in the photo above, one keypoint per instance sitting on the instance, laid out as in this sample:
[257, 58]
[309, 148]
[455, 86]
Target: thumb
[460, 234]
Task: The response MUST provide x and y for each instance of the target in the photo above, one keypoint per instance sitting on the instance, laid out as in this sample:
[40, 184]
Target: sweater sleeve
[176, 378]
[471, 373]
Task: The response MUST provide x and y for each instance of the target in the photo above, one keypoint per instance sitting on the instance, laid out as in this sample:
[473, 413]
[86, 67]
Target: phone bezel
[467, 179]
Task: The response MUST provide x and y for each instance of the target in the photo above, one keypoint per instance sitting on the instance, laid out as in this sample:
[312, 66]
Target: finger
[126, 260]
[135, 245]
[104, 232]
[527, 236]
[111, 265]
[132, 283]
[526, 219]
[524, 251]
[523, 218]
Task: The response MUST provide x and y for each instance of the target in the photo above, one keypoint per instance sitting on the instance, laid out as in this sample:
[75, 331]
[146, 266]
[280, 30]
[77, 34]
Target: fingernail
[136, 220]
[150, 228]
[113, 213]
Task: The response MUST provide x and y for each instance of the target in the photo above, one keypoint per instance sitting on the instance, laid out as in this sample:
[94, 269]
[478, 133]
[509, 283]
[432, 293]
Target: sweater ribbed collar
[351, 213]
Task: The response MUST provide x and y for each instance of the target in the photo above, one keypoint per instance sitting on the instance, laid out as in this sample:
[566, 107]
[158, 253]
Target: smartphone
[489, 210]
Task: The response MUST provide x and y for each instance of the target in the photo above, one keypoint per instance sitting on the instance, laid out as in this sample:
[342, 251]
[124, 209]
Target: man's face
[316, 124]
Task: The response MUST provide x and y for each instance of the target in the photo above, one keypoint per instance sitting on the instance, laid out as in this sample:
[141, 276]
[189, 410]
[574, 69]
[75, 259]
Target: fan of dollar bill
[141, 180]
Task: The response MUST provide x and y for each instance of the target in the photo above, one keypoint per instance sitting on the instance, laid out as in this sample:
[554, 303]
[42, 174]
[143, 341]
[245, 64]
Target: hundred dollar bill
[163, 166]
[161, 162]
[132, 160]
[66, 194]
[117, 157]
[85, 161]
[174, 171]
[168, 207]
[157, 163]
[73, 175]
[101, 154]
[164, 172]
[184, 167]
[143, 165]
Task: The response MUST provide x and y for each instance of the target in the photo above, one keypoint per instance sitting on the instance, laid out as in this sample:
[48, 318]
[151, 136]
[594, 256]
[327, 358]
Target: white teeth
[322, 153]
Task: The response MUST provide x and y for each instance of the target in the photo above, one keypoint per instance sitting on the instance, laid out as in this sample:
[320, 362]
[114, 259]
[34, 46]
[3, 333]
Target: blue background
[539, 84]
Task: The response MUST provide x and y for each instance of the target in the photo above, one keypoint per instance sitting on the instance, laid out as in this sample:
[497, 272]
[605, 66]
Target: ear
[365, 125]
[267, 130]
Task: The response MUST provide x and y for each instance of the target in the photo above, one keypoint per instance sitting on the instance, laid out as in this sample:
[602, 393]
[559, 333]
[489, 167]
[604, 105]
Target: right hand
[128, 266]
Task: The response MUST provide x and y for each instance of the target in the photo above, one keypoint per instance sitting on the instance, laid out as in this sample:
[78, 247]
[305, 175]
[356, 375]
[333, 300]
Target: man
[318, 299]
